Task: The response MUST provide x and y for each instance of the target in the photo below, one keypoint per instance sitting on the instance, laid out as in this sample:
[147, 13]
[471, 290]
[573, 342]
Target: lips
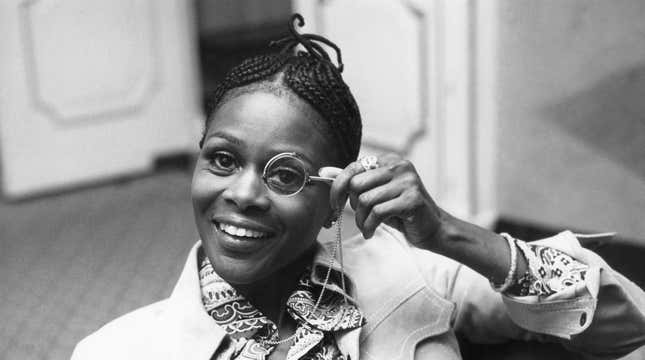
[241, 235]
[242, 232]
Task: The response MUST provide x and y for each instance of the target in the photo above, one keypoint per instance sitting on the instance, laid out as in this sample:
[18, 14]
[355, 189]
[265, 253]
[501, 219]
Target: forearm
[480, 249]
[614, 303]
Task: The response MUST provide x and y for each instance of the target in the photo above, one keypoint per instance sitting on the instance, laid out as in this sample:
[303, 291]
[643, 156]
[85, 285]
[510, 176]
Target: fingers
[390, 193]
[366, 181]
[398, 207]
[340, 186]
[366, 201]
[354, 178]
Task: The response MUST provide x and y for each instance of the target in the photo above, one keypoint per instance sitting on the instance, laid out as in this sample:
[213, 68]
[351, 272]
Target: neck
[270, 294]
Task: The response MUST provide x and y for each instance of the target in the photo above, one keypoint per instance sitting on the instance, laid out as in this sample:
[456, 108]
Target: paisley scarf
[248, 328]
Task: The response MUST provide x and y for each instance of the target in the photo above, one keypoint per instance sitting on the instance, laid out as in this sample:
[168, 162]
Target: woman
[259, 286]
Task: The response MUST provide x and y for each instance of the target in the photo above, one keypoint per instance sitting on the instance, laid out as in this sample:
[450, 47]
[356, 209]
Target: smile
[242, 232]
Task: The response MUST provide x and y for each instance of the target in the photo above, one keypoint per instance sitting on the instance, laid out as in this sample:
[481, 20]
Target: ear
[331, 219]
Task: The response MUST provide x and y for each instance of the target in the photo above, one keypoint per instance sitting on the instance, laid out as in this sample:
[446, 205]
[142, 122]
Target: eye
[223, 162]
[285, 179]
[287, 176]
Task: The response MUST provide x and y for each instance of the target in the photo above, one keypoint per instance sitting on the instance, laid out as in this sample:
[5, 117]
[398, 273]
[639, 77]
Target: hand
[393, 194]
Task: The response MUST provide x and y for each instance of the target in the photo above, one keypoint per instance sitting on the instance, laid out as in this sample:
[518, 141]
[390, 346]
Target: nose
[247, 191]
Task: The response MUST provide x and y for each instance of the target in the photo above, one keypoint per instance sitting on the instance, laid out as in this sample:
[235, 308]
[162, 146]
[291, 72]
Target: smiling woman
[259, 285]
[230, 197]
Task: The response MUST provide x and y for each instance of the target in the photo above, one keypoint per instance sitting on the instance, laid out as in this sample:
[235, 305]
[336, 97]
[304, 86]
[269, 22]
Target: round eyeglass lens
[285, 174]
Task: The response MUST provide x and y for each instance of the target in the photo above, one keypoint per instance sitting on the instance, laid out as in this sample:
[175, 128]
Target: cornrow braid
[250, 70]
[310, 75]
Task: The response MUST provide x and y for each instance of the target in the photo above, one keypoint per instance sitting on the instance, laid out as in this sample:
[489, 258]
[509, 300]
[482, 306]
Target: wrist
[445, 235]
[480, 249]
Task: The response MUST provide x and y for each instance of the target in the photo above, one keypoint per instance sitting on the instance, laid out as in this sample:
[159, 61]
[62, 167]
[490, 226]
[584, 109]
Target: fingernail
[329, 171]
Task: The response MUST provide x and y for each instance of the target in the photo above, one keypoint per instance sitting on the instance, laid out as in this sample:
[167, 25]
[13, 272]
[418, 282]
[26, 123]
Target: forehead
[268, 123]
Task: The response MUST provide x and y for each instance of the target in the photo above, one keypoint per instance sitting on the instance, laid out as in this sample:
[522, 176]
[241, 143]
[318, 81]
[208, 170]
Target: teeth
[236, 231]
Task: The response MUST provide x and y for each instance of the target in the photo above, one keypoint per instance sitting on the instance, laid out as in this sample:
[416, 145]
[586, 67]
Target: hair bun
[309, 42]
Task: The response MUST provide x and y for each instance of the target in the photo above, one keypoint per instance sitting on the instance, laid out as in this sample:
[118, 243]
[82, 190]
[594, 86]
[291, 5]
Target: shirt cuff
[561, 295]
[550, 271]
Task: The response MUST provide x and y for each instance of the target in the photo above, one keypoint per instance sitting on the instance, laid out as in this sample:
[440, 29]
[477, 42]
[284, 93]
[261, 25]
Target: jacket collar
[321, 263]
[195, 335]
[347, 341]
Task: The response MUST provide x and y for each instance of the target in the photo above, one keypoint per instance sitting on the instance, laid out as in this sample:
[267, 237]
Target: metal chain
[337, 247]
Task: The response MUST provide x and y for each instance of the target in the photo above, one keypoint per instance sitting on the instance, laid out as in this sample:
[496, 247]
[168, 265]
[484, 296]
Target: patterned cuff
[549, 271]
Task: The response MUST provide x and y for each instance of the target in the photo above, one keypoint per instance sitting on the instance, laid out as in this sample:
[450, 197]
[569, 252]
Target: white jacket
[413, 301]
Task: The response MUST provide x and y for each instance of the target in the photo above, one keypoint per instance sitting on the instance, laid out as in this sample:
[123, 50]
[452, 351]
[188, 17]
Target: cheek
[307, 216]
[198, 190]
[204, 189]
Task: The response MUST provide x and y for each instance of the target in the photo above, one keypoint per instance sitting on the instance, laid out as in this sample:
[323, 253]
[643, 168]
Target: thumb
[333, 172]
[329, 171]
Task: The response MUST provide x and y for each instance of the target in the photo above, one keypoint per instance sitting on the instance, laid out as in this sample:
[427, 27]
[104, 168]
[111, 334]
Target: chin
[245, 261]
[239, 268]
[239, 273]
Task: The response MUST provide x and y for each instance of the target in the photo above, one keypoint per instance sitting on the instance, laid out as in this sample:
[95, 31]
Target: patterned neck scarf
[248, 328]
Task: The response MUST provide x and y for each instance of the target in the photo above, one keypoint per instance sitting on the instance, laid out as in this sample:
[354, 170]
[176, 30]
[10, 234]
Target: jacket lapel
[347, 340]
[348, 343]
[194, 334]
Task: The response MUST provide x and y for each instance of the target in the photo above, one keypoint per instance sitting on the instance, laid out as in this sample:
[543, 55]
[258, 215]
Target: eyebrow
[303, 157]
[236, 141]
[228, 137]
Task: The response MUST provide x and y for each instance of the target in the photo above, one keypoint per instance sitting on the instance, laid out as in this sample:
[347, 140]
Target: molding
[94, 106]
[453, 141]
[416, 133]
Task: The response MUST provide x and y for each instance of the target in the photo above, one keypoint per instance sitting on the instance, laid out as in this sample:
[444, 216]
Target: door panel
[93, 90]
[369, 69]
[411, 66]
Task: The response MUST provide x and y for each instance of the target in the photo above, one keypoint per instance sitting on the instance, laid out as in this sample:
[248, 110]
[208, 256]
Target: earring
[330, 222]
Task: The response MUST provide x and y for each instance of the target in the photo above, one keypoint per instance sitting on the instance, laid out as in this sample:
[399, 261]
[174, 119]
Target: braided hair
[311, 75]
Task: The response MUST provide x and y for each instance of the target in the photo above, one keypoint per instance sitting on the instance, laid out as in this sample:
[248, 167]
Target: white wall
[571, 106]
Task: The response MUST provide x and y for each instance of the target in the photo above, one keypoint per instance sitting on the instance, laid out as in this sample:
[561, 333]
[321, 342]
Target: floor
[71, 262]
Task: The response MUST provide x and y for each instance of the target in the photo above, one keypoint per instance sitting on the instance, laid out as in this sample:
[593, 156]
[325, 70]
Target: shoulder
[129, 332]
[401, 291]
[387, 257]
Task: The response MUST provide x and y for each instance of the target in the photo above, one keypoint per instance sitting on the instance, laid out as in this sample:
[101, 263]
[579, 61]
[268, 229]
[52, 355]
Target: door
[420, 72]
[92, 90]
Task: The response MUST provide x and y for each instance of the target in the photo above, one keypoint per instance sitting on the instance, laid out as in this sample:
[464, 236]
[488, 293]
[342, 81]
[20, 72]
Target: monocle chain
[338, 248]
